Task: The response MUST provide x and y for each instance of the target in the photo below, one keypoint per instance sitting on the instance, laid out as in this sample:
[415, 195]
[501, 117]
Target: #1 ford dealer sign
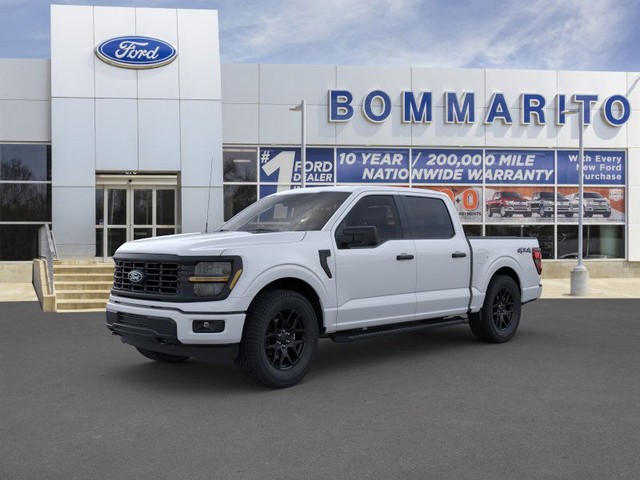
[136, 52]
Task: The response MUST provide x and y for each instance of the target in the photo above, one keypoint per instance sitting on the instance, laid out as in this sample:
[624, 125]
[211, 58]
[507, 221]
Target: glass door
[131, 212]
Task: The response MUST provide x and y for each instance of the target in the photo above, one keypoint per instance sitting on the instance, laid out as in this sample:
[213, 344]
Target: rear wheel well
[304, 289]
[508, 272]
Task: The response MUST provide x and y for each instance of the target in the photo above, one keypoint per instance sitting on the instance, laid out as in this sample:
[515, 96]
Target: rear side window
[428, 218]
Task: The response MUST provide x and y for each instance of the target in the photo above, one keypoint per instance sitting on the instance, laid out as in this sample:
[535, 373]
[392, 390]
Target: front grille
[159, 278]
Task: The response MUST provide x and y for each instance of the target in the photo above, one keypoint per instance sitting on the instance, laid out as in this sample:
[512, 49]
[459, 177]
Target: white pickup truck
[345, 263]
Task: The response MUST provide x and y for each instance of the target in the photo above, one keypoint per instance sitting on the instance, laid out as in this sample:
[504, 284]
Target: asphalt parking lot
[562, 400]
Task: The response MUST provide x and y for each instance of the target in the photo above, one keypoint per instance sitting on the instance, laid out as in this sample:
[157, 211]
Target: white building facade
[107, 154]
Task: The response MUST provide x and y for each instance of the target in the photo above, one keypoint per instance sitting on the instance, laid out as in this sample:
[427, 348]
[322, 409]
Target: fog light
[208, 326]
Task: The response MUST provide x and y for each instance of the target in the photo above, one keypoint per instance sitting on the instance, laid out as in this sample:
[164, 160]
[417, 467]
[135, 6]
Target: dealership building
[134, 129]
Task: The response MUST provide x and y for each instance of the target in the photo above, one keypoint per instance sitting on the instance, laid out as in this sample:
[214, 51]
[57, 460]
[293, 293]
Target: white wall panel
[633, 89]
[72, 143]
[634, 240]
[116, 134]
[160, 82]
[603, 84]
[360, 131]
[25, 121]
[239, 123]
[441, 80]
[199, 54]
[633, 168]
[512, 83]
[194, 208]
[73, 217]
[113, 82]
[290, 84]
[319, 130]
[633, 129]
[597, 135]
[240, 83]
[201, 142]
[159, 135]
[500, 135]
[439, 133]
[25, 79]
[362, 80]
[72, 56]
[278, 124]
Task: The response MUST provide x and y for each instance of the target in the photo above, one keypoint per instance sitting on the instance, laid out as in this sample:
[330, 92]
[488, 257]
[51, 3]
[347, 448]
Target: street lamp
[580, 274]
[302, 107]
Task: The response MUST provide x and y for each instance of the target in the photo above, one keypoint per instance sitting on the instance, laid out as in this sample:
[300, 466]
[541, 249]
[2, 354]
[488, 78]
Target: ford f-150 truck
[345, 263]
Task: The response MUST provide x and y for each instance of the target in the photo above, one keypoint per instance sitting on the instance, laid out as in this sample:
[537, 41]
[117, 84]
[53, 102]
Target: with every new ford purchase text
[344, 263]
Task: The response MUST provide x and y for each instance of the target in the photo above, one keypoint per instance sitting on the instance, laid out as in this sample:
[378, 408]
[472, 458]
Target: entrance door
[132, 211]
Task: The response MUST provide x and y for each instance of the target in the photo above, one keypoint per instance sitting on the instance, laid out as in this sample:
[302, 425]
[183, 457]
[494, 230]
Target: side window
[378, 211]
[428, 218]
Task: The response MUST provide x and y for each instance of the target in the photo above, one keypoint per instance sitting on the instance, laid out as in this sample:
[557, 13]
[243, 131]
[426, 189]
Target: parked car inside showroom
[508, 203]
[544, 203]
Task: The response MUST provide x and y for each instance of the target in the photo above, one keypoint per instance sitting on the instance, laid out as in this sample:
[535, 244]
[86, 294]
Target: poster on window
[508, 204]
[446, 166]
[601, 205]
[466, 199]
[601, 167]
[373, 165]
[532, 167]
[284, 167]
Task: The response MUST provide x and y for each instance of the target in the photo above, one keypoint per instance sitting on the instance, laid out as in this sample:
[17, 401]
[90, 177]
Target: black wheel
[161, 357]
[499, 317]
[606, 215]
[279, 339]
[527, 214]
[588, 215]
[568, 215]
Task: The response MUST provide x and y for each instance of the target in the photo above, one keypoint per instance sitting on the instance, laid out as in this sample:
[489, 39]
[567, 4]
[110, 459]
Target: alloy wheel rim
[285, 339]
[502, 309]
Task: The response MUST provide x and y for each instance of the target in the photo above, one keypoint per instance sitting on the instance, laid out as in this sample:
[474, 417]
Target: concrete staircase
[82, 286]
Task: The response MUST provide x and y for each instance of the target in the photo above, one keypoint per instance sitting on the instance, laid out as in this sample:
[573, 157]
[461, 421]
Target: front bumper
[182, 315]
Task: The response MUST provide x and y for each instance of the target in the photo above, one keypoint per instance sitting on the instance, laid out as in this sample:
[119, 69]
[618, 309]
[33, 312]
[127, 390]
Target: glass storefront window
[239, 164]
[25, 202]
[544, 234]
[599, 241]
[18, 242]
[472, 230]
[26, 163]
[165, 207]
[237, 198]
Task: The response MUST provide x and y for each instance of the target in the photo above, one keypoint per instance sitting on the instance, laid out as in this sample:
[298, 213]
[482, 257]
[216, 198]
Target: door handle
[404, 256]
[458, 255]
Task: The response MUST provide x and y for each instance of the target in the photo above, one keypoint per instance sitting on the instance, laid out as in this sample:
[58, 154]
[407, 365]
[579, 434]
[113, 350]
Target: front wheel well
[508, 272]
[303, 288]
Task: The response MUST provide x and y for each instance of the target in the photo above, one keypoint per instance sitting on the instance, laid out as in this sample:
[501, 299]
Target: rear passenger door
[443, 257]
[375, 283]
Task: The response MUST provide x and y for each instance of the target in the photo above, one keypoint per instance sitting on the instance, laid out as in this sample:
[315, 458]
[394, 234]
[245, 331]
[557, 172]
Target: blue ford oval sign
[136, 52]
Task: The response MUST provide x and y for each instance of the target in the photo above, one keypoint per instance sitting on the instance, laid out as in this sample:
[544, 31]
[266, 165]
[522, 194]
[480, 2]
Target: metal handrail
[48, 250]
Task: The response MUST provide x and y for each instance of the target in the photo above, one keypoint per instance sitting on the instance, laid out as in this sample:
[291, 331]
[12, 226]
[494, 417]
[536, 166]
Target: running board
[363, 333]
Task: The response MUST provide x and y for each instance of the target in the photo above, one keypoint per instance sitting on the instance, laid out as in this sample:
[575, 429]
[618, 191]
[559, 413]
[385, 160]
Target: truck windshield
[280, 213]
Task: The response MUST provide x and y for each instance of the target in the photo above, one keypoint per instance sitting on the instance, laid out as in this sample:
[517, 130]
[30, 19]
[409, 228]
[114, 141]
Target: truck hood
[201, 244]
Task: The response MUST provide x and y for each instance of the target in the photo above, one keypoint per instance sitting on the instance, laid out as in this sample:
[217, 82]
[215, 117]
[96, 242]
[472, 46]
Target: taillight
[536, 253]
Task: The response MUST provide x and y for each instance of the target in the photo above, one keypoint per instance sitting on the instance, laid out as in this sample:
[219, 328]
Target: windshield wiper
[262, 230]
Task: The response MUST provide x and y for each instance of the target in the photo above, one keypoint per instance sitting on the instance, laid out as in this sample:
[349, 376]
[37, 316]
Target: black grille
[159, 278]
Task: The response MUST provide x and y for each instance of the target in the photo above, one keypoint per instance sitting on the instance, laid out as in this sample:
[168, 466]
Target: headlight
[210, 278]
[510, 202]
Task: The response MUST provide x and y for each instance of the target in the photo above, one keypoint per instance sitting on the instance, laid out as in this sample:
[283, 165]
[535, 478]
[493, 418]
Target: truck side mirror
[361, 236]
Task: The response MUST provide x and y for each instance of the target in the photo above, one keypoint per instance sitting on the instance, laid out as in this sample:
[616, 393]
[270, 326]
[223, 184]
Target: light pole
[580, 274]
[302, 107]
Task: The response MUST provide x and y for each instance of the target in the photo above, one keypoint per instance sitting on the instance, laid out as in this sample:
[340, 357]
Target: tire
[606, 215]
[493, 323]
[162, 357]
[527, 214]
[588, 215]
[568, 215]
[489, 212]
[270, 353]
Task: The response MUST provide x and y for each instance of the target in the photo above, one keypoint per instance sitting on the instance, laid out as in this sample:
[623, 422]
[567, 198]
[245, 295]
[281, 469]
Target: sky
[531, 34]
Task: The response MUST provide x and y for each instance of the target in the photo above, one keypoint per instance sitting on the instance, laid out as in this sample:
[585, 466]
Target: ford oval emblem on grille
[136, 52]
[135, 276]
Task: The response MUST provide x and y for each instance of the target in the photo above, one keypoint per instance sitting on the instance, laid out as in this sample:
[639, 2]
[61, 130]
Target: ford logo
[135, 276]
[136, 52]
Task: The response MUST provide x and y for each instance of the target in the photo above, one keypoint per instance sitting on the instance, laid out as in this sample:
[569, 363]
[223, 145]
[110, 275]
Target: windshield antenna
[206, 223]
